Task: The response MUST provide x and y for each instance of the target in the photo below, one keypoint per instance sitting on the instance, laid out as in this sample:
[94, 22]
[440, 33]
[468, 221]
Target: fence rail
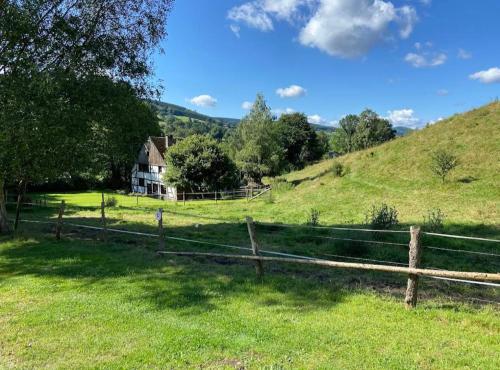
[259, 256]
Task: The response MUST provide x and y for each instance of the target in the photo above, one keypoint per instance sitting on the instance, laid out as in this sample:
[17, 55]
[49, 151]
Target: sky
[411, 61]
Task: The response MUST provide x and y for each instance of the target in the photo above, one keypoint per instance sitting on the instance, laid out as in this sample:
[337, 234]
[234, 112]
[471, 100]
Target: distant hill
[168, 109]
[402, 131]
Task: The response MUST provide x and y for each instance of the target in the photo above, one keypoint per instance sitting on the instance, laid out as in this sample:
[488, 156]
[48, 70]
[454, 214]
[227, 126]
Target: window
[160, 169]
[141, 182]
[155, 188]
[143, 167]
[163, 189]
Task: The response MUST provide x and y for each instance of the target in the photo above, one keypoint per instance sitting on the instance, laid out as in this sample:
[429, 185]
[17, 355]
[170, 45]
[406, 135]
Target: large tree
[343, 139]
[372, 130]
[198, 163]
[255, 145]
[50, 53]
[300, 140]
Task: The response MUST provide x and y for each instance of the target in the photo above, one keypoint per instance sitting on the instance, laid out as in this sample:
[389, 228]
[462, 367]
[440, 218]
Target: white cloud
[403, 117]
[425, 60]
[350, 28]
[316, 119]
[246, 105]
[463, 54]
[203, 101]
[442, 92]
[278, 111]
[488, 76]
[426, 2]
[252, 15]
[344, 28]
[292, 91]
[436, 120]
[236, 30]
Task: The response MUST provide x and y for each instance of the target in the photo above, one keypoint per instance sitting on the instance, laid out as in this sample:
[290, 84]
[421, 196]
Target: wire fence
[301, 256]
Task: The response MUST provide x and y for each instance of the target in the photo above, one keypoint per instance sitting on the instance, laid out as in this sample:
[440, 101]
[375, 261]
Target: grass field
[85, 303]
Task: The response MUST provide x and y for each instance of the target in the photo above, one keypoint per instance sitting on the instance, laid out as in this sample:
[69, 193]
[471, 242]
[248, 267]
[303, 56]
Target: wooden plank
[476, 276]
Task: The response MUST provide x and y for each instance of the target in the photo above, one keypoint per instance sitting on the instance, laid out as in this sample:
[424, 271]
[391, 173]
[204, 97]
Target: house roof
[160, 144]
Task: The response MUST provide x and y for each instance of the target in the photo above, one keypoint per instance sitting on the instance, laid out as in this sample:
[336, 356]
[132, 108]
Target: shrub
[337, 169]
[280, 185]
[443, 162]
[111, 202]
[313, 218]
[434, 220]
[382, 217]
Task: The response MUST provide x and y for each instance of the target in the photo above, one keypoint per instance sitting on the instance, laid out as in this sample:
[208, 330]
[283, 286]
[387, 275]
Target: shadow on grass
[195, 284]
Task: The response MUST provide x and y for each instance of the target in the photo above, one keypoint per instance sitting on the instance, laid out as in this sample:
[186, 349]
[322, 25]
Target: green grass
[82, 303]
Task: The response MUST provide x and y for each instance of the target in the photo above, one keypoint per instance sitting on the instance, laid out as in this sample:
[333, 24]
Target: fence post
[184, 198]
[255, 245]
[161, 240]
[59, 220]
[103, 219]
[415, 254]
[216, 197]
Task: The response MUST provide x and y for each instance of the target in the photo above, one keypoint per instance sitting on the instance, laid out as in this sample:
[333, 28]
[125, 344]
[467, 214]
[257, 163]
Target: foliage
[51, 54]
[255, 144]
[280, 185]
[198, 164]
[361, 132]
[313, 218]
[443, 162]
[337, 169]
[111, 201]
[300, 141]
[382, 217]
[434, 221]
[172, 125]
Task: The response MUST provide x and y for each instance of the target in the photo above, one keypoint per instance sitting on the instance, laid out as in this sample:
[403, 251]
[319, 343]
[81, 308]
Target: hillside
[168, 109]
[398, 173]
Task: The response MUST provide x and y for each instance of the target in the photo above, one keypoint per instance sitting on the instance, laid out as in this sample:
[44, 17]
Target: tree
[198, 163]
[299, 139]
[442, 162]
[343, 137]
[50, 52]
[372, 130]
[120, 128]
[255, 145]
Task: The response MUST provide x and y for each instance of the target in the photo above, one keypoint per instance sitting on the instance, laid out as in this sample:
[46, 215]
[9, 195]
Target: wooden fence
[255, 252]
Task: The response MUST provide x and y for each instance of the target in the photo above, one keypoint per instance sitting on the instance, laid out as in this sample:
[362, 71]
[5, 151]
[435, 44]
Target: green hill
[398, 173]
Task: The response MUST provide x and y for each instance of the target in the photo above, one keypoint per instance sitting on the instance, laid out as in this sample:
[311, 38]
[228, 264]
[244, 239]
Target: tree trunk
[20, 196]
[4, 226]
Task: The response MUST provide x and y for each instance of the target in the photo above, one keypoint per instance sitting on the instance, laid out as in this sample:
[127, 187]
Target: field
[83, 302]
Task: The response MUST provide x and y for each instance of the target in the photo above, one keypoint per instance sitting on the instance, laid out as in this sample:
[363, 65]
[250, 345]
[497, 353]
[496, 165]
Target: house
[149, 168]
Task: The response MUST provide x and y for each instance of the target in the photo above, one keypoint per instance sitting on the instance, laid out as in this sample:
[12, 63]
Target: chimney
[169, 141]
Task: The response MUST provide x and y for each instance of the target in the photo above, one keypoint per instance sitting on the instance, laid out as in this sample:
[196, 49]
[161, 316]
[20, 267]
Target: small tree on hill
[443, 162]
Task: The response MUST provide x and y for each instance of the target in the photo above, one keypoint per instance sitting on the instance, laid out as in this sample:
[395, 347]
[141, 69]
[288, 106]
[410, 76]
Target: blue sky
[412, 61]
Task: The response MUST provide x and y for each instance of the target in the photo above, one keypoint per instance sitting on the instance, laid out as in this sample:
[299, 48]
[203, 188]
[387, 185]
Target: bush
[313, 218]
[111, 202]
[337, 169]
[280, 185]
[382, 217]
[442, 163]
[434, 220]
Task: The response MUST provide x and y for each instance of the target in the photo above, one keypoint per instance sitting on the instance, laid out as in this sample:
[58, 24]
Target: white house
[149, 168]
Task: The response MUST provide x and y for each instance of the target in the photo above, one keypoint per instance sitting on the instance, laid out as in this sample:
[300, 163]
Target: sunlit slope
[399, 174]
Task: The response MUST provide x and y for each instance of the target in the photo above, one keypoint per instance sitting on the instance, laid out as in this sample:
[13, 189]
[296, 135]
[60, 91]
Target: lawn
[82, 303]
[86, 304]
